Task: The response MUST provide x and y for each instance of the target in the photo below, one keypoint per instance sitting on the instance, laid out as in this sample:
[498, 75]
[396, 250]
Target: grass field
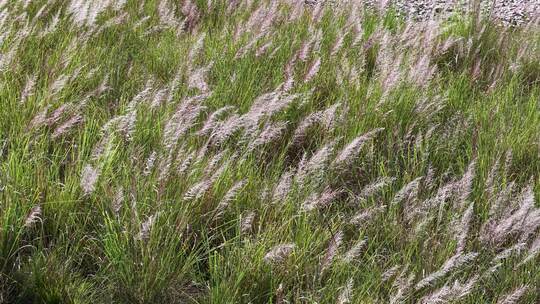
[266, 152]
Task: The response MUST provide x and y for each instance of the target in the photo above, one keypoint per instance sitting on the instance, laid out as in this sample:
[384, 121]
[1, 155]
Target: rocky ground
[512, 12]
[509, 12]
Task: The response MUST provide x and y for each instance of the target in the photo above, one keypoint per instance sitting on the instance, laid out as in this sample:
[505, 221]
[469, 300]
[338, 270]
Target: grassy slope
[79, 249]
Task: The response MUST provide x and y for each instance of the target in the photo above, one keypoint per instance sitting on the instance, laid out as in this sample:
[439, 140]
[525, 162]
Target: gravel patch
[508, 12]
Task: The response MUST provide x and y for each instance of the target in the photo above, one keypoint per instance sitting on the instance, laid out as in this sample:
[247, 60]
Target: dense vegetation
[266, 152]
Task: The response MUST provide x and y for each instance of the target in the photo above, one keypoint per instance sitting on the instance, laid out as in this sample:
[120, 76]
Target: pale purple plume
[331, 251]
[279, 253]
[313, 70]
[89, 178]
[34, 216]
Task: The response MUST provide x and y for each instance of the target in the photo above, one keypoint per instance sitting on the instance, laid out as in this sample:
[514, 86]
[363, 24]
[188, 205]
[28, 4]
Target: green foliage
[118, 186]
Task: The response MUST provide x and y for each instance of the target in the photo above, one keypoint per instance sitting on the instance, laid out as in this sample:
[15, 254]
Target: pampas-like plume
[33, 217]
[304, 51]
[186, 163]
[502, 197]
[403, 286]
[57, 114]
[197, 79]
[430, 178]
[52, 26]
[355, 251]
[376, 186]
[492, 178]
[267, 105]
[491, 270]
[123, 124]
[214, 161]
[408, 192]
[508, 159]
[279, 253]
[225, 130]
[289, 67]
[118, 201]
[350, 152]
[317, 13]
[280, 295]
[270, 16]
[338, 44]
[517, 248]
[332, 249]
[102, 87]
[165, 168]
[523, 221]
[198, 190]
[514, 296]
[120, 19]
[313, 70]
[101, 147]
[438, 201]
[66, 126]
[7, 58]
[212, 121]
[318, 201]
[202, 153]
[229, 197]
[40, 118]
[464, 186]
[345, 295]
[158, 99]
[272, 55]
[450, 294]
[390, 273]
[192, 15]
[316, 165]
[330, 116]
[256, 20]
[144, 94]
[28, 88]
[533, 251]
[422, 72]
[454, 262]
[263, 49]
[463, 228]
[269, 134]
[59, 84]
[439, 296]
[195, 50]
[118, 5]
[364, 217]
[166, 15]
[182, 120]
[250, 45]
[307, 123]
[146, 228]
[173, 86]
[150, 161]
[246, 224]
[89, 178]
[283, 187]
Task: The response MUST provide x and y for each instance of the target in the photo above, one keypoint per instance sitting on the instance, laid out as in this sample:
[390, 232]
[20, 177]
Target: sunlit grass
[265, 152]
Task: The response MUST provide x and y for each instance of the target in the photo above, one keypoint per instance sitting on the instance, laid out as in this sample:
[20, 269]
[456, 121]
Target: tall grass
[266, 152]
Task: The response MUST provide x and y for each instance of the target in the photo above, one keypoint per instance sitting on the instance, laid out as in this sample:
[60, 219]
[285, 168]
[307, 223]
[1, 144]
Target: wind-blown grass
[266, 152]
